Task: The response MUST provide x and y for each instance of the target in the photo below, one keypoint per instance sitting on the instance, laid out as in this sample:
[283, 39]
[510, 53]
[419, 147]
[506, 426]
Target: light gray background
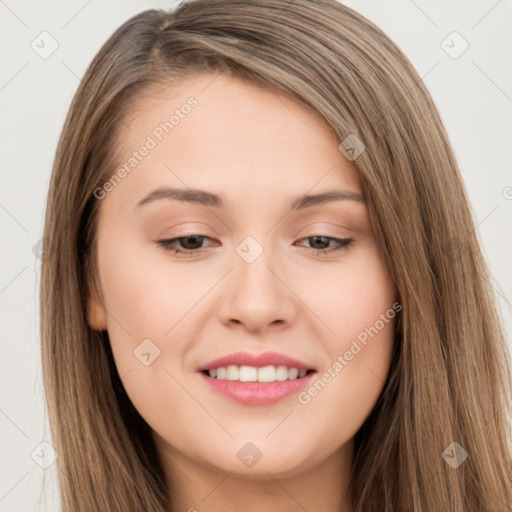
[473, 93]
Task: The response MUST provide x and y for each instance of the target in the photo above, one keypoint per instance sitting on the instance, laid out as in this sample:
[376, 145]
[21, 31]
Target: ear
[96, 313]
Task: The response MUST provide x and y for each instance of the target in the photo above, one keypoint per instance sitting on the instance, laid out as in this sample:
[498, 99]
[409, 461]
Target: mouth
[246, 373]
[257, 379]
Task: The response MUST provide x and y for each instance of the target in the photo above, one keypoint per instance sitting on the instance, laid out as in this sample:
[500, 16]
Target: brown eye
[323, 241]
[186, 244]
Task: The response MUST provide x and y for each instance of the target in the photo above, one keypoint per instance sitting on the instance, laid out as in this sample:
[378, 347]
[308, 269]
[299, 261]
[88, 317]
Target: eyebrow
[210, 199]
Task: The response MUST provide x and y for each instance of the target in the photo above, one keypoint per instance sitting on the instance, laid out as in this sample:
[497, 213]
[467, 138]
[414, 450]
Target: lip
[257, 360]
[257, 393]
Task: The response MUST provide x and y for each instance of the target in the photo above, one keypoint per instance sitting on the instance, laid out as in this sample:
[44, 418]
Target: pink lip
[257, 393]
[258, 361]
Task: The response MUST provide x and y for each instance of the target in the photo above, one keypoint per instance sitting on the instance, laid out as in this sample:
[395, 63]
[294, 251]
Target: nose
[257, 295]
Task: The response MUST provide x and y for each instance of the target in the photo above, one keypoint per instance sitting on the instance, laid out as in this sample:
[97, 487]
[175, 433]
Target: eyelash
[344, 243]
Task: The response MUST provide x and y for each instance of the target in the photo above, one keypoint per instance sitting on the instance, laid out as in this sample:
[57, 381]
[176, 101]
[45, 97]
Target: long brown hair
[450, 376]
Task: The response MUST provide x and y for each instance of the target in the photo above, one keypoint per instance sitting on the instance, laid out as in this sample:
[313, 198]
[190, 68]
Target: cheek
[150, 309]
[360, 314]
[348, 297]
[144, 294]
[150, 306]
[342, 396]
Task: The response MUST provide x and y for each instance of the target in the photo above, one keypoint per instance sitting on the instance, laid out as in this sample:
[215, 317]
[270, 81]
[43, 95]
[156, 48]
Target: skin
[258, 150]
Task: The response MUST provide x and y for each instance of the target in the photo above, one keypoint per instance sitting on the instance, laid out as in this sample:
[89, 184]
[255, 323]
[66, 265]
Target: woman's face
[218, 165]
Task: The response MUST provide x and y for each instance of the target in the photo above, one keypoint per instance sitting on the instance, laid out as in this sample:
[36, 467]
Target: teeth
[232, 372]
[247, 374]
[253, 374]
[281, 373]
[293, 373]
[267, 374]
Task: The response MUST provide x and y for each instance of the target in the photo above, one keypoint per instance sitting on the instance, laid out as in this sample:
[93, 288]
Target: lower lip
[257, 393]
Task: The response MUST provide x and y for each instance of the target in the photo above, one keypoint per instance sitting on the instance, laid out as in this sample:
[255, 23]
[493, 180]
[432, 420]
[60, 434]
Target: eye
[189, 244]
[192, 244]
[340, 243]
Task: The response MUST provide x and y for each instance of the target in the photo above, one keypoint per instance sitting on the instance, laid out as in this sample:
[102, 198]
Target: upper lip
[256, 360]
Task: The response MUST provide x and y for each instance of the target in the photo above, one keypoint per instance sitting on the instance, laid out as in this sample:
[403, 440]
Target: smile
[254, 374]
[256, 379]
[257, 393]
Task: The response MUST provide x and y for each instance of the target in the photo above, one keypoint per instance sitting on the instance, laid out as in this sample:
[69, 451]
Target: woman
[258, 369]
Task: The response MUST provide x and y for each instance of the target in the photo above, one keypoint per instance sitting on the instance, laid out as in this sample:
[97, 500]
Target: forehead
[232, 137]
